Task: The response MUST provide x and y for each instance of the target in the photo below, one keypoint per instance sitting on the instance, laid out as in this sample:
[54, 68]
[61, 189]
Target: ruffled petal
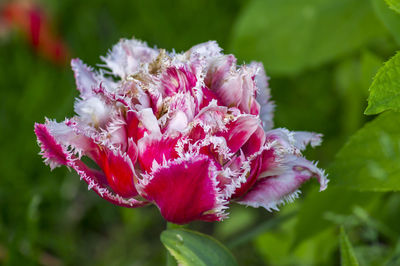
[56, 154]
[119, 172]
[224, 81]
[85, 78]
[272, 191]
[127, 56]
[239, 131]
[185, 190]
[177, 80]
[264, 96]
[53, 153]
[303, 138]
[156, 149]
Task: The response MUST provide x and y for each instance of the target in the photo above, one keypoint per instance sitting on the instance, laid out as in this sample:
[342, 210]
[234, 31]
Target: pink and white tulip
[188, 132]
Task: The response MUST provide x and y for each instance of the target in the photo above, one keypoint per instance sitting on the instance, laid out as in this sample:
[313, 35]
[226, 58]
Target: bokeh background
[320, 56]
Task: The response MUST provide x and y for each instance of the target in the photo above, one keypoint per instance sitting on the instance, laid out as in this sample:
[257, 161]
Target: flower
[34, 23]
[189, 132]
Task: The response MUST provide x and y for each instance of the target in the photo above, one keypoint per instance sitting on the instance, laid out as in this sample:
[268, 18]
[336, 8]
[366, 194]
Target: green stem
[170, 259]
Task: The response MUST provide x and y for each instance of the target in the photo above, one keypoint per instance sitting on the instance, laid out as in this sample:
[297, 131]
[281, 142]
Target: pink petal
[185, 190]
[239, 131]
[224, 81]
[255, 142]
[139, 123]
[251, 178]
[157, 149]
[55, 154]
[119, 172]
[272, 191]
[176, 80]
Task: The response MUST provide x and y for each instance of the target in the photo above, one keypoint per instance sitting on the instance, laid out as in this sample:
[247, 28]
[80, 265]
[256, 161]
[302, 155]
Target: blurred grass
[49, 218]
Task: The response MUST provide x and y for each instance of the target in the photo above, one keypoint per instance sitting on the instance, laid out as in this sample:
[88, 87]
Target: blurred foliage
[321, 57]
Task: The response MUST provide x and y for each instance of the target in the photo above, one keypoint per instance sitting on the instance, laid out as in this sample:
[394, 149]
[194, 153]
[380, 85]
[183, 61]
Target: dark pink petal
[239, 131]
[185, 190]
[208, 96]
[272, 191]
[119, 172]
[157, 149]
[140, 123]
[55, 155]
[90, 177]
[251, 178]
[255, 142]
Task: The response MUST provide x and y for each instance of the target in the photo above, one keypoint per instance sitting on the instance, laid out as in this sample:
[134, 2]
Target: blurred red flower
[31, 19]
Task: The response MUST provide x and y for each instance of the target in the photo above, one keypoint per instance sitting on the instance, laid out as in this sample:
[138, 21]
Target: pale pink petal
[248, 103]
[85, 78]
[185, 190]
[224, 81]
[93, 111]
[149, 121]
[206, 50]
[264, 96]
[304, 138]
[127, 57]
[272, 191]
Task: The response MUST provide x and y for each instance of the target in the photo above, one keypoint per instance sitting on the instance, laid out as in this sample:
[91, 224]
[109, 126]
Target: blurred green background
[321, 56]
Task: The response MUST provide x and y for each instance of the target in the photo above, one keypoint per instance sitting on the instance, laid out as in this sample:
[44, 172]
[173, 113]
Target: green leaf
[318, 207]
[389, 18]
[348, 258]
[193, 248]
[370, 160]
[291, 35]
[385, 89]
[394, 4]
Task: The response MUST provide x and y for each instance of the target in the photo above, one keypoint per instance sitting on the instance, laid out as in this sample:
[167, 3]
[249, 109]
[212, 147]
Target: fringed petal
[154, 149]
[185, 190]
[177, 80]
[239, 131]
[85, 78]
[303, 138]
[120, 174]
[53, 153]
[56, 154]
[272, 191]
[264, 96]
[127, 57]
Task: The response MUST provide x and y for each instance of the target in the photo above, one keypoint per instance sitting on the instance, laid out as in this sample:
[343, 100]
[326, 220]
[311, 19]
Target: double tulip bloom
[188, 132]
